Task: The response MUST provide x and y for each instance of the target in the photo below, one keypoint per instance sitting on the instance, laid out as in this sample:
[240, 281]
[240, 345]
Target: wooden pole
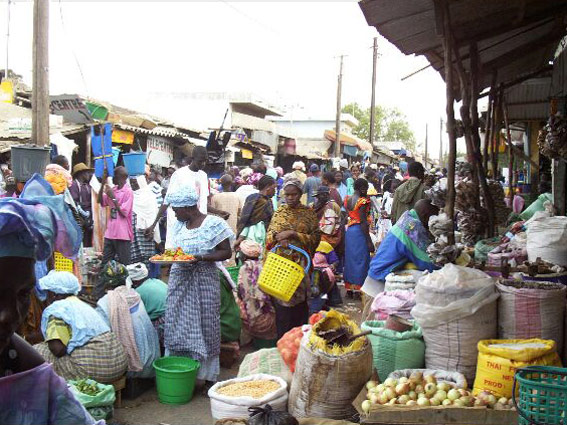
[447, 42]
[40, 86]
[496, 132]
[338, 117]
[510, 154]
[373, 100]
[489, 118]
[441, 142]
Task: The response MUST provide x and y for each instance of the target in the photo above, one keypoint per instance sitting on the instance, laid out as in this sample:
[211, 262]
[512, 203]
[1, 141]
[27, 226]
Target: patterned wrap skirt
[102, 358]
[192, 316]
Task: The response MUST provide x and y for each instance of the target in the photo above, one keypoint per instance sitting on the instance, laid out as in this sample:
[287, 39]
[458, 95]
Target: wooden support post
[338, 117]
[490, 115]
[497, 126]
[373, 97]
[510, 154]
[40, 80]
[447, 43]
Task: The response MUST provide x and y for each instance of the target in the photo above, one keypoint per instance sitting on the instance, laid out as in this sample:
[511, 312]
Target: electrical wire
[73, 50]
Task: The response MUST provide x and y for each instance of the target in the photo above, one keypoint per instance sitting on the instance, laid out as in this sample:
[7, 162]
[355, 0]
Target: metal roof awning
[514, 38]
[349, 140]
[529, 100]
[312, 148]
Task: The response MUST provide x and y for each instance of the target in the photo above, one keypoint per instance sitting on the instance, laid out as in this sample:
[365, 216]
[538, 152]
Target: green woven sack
[393, 350]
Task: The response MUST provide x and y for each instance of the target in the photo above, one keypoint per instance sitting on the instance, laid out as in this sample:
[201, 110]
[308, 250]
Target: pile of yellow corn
[254, 389]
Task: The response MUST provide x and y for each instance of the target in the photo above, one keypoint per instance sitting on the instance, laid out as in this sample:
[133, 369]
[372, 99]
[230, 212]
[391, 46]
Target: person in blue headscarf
[78, 342]
[192, 315]
[31, 227]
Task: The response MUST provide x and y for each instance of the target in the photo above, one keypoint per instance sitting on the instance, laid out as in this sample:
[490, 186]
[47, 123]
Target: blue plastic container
[135, 163]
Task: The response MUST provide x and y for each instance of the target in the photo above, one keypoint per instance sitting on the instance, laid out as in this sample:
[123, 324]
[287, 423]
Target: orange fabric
[354, 215]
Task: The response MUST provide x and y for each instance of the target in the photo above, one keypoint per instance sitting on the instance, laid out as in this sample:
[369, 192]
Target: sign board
[71, 107]
[160, 151]
[6, 91]
[123, 137]
[247, 154]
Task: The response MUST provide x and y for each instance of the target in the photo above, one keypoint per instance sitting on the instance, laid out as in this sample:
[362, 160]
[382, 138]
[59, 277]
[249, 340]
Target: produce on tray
[172, 255]
[88, 387]
[425, 391]
[254, 389]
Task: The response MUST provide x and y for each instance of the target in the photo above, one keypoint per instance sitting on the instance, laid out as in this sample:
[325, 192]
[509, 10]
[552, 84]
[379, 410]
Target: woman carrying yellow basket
[293, 224]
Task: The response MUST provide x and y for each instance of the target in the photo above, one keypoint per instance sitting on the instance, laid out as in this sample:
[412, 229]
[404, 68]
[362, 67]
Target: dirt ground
[147, 410]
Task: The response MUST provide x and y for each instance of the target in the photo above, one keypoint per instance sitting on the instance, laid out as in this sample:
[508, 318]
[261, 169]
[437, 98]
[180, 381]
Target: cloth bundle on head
[343, 163]
[255, 178]
[245, 173]
[250, 248]
[145, 207]
[298, 165]
[59, 178]
[280, 172]
[182, 196]
[137, 271]
[37, 223]
[60, 283]
[114, 274]
[290, 180]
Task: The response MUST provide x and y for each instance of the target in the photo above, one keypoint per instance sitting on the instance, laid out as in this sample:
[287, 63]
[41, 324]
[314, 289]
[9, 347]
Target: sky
[287, 52]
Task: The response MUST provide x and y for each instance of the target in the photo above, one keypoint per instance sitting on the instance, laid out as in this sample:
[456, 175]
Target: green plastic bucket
[175, 379]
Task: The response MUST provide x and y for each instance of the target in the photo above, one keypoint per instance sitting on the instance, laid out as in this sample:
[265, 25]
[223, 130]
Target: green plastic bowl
[175, 379]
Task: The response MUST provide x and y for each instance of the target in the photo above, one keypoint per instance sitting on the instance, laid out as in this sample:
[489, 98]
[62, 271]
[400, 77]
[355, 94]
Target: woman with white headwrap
[77, 341]
[192, 317]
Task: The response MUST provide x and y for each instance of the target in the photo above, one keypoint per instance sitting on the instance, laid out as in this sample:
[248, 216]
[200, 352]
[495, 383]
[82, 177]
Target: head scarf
[280, 171]
[292, 181]
[250, 248]
[298, 165]
[37, 223]
[245, 173]
[114, 274]
[137, 271]
[255, 178]
[59, 178]
[60, 283]
[273, 173]
[343, 163]
[182, 196]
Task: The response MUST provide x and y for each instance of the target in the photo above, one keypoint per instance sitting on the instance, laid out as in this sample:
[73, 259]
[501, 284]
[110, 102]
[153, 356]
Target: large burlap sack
[393, 350]
[498, 360]
[531, 309]
[324, 385]
[268, 361]
[547, 239]
[223, 407]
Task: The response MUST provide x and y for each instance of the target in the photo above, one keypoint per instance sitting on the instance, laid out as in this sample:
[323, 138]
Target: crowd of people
[354, 224]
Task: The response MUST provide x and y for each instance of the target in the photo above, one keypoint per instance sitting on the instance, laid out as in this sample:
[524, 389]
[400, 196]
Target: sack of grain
[325, 385]
[498, 360]
[531, 309]
[268, 361]
[456, 308]
[232, 398]
[547, 239]
[393, 350]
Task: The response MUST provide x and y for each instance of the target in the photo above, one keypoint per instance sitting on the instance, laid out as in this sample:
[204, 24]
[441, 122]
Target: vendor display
[172, 255]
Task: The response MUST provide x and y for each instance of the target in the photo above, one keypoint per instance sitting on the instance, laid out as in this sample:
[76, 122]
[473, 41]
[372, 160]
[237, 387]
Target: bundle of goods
[438, 193]
[393, 350]
[268, 416]
[466, 195]
[471, 224]
[398, 302]
[507, 253]
[97, 398]
[531, 309]
[421, 390]
[403, 280]
[288, 345]
[498, 360]
[333, 364]
[268, 361]
[232, 398]
[483, 247]
[440, 225]
[502, 212]
[441, 252]
[552, 139]
[456, 308]
[547, 239]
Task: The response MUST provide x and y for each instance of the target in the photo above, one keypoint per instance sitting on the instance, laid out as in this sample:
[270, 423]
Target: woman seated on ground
[77, 341]
[30, 391]
[154, 296]
[256, 309]
[123, 310]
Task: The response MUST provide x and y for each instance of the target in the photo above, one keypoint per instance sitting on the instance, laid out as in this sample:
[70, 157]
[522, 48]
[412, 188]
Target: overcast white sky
[284, 51]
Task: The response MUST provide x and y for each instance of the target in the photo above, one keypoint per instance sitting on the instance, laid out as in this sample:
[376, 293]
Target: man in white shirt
[192, 174]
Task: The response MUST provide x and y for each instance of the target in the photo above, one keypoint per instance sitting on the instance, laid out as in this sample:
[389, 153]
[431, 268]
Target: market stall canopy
[529, 100]
[312, 148]
[349, 140]
[514, 38]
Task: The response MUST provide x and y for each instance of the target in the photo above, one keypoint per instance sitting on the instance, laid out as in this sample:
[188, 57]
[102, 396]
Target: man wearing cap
[312, 183]
[80, 190]
[343, 167]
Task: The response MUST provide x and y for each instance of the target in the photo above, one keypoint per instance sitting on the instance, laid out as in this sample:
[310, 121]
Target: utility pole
[372, 102]
[441, 142]
[338, 118]
[426, 141]
[40, 85]
[7, 39]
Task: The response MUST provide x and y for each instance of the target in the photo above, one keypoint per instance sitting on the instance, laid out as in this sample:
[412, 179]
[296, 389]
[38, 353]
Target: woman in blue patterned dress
[192, 317]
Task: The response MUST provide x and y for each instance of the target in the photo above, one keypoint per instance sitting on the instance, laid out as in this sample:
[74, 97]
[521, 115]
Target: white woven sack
[223, 407]
[547, 239]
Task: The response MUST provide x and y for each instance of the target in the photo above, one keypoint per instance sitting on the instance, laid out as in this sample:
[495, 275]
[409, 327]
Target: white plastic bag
[452, 293]
[223, 407]
[547, 239]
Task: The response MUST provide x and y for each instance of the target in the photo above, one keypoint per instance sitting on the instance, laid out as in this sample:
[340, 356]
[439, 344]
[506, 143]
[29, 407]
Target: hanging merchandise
[552, 139]
[102, 150]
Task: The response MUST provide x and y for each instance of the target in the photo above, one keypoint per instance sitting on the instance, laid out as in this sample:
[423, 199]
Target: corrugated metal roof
[529, 100]
[514, 38]
[312, 148]
[169, 132]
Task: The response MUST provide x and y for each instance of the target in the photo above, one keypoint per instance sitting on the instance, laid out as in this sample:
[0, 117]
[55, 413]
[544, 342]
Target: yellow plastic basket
[62, 264]
[280, 277]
